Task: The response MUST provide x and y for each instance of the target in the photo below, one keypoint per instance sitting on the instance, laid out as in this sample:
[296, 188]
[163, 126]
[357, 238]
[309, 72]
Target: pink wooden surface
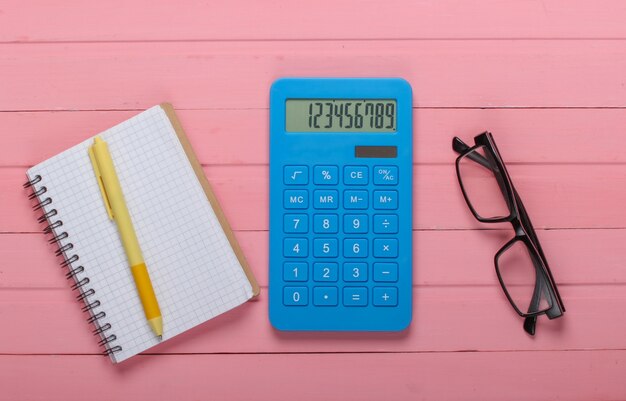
[547, 77]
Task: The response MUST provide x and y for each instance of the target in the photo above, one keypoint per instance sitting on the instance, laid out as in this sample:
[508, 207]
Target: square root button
[296, 175]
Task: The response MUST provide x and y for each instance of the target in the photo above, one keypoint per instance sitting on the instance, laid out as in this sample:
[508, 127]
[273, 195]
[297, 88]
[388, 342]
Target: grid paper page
[194, 271]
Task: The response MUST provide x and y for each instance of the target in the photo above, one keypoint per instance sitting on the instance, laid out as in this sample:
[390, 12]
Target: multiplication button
[296, 175]
[386, 175]
[385, 248]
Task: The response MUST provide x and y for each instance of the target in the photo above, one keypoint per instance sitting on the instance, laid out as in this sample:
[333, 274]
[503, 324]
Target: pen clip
[96, 169]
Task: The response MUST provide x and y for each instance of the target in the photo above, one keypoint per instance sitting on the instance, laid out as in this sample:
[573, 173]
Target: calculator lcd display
[340, 115]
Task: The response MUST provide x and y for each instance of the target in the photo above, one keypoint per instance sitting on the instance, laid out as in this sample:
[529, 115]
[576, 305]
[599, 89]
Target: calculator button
[325, 247]
[355, 175]
[296, 223]
[355, 272]
[326, 175]
[385, 296]
[296, 175]
[355, 296]
[296, 296]
[355, 199]
[385, 199]
[386, 272]
[326, 199]
[296, 199]
[355, 248]
[295, 271]
[386, 175]
[296, 248]
[385, 248]
[325, 296]
[325, 223]
[385, 224]
[325, 272]
[355, 223]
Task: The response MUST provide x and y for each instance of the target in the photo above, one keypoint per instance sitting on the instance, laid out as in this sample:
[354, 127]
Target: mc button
[296, 199]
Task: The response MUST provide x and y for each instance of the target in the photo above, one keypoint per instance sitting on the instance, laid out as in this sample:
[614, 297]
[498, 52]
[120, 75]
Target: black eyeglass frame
[519, 219]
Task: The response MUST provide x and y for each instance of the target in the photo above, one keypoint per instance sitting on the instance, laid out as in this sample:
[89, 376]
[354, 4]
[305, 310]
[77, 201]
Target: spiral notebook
[197, 268]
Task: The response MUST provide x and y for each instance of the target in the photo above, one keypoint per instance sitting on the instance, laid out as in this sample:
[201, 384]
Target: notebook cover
[219, 213]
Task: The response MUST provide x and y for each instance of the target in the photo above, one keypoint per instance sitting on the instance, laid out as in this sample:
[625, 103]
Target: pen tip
[160, 338]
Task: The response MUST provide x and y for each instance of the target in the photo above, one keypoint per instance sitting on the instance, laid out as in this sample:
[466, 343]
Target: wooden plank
[324, 19]
[201, 75]
[579, 196]
[527, 376]
[463, 257]
[448, 318]
[241, 136]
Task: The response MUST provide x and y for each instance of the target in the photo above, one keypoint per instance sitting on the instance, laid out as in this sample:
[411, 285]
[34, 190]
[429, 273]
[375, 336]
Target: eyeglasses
[521, 265]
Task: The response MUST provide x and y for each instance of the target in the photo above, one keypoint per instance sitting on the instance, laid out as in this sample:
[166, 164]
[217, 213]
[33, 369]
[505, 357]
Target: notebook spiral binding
[64, 246]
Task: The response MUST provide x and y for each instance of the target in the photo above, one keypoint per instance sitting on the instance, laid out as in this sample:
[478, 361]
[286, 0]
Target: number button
[325, 272]
[355, 248]
[325, 175]
[325, 223]
[355, 175]
[296, 247]
[295, 271]
[296, 296]
[326, 199]
[386, 175]
[385, 296]
[296, 199]
[385, 223]
[325, 247]
[355, 296]
[385, 248]
[296, 175]
[325, 296]
[386, 272]
[355, 223]
[355, 199]
[355, 272]
[385, 199]
[296, 223]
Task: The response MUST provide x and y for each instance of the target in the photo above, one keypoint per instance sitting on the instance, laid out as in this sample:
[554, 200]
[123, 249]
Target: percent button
[325, 175]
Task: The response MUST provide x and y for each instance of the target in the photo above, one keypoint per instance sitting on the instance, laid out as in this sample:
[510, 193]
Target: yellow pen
[117, 210]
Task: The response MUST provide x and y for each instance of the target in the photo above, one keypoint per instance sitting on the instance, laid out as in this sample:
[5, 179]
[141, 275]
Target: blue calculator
[341, 156]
